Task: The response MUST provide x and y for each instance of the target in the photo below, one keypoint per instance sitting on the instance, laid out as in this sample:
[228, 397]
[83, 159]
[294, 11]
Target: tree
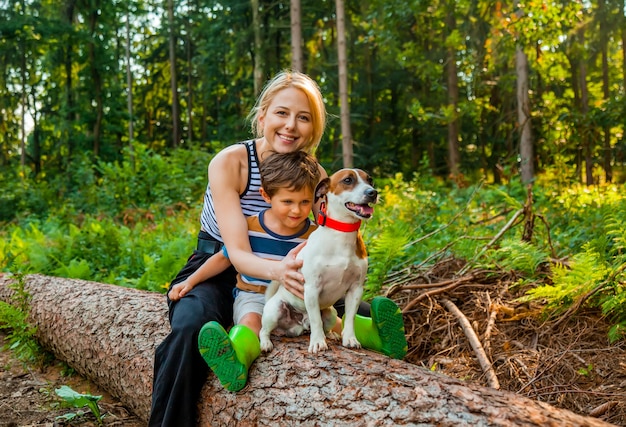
[405, 109]
[586, 131]
[96, 78]
[173, 81]
[259, 63]
[129, 88]
[346, 132]
[523, 112]
[604, 27]
[109, 333]
[453, 94]
[297, 60]
[524, 117]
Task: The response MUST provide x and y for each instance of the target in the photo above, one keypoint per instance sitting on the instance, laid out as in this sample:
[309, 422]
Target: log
[109, 333]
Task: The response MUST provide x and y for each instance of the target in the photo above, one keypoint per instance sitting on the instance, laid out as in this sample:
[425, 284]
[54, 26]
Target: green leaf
[78, 400]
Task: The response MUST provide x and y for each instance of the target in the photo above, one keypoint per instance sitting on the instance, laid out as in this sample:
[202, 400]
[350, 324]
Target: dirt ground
[566, 361]
[27, 396]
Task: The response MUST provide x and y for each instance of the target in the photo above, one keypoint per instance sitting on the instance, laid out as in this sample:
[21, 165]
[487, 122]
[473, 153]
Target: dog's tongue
[364, 211]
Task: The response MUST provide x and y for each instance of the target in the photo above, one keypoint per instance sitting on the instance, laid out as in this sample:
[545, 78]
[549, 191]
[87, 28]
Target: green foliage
[587, 371]
[142, 182]
[583, 274]
[384, 253]
[596, 274]
[146, 256]
[13, 319]
[515, 255]
[78, 400]
[417, 223]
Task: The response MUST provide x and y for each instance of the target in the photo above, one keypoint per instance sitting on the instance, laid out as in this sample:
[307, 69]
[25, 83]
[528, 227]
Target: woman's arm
[228, 173]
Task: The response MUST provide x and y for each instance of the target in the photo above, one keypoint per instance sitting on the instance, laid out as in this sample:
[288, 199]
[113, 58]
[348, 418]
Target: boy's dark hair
[294, 171]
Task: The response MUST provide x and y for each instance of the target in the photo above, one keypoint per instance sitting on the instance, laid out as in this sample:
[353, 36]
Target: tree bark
[454, 156]
[109, 333]
[297, 59]
[259, 61]
[129, 88]
[344, 97]
[173, 76]
[605, 28]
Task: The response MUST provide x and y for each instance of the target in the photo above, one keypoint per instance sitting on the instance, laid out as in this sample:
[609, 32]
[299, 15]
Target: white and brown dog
[335, 265]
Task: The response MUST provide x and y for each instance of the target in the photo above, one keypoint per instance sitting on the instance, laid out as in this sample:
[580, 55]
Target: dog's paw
[351, 342]
[332, 335]
[266, 346]
[317, 346]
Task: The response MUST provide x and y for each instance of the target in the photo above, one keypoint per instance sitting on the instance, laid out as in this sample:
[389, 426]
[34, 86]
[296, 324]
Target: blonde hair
[283, 80]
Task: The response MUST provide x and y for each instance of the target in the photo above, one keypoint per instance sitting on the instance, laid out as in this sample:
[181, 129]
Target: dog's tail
[272, 288]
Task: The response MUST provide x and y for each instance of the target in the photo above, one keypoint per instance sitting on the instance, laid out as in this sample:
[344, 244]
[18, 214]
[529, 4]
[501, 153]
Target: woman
[289, 115]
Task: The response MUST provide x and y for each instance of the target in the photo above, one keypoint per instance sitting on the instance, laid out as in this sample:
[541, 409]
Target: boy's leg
[229, 355]
[384, 330]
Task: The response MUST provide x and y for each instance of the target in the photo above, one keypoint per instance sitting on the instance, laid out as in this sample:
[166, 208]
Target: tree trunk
[454, 157]
[623, 19]
[68, 64]
[523, 118]
[189, 42]
[129, 92]
[22, 44]
[173, 78]
[587, 138]
[96, 78]
[109, 333]
[296, 36]
[346, 132]
[259, 62]
[606, 90]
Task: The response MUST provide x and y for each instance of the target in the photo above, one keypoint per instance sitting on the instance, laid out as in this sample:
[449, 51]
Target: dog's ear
[322, 188]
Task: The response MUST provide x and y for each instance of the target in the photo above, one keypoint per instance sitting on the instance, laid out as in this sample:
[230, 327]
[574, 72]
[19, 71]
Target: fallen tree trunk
[109, 333]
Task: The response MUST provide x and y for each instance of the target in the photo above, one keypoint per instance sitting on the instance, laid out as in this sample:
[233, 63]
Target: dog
[334, 266]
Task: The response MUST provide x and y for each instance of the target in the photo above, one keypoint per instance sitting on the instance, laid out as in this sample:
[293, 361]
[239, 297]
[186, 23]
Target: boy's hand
[179, 290]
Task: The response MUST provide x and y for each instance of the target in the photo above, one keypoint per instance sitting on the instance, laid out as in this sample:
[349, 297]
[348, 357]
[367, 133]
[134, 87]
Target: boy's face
[290, 208]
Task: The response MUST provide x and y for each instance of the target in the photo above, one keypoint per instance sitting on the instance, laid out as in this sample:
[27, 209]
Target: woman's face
[287, 123]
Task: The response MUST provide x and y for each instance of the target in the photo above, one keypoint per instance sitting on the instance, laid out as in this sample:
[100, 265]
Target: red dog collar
[326, 221]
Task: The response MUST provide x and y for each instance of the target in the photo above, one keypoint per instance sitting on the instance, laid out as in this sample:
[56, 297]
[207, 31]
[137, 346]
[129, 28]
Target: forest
[494, 131]
[428, 84]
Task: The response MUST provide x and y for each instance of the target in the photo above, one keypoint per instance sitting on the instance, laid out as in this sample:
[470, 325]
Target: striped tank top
[251, 200]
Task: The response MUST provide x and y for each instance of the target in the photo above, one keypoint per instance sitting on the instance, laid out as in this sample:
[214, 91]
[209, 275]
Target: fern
[13, 318]
[516, 255]
[384, 253]
[596, 274]
[586, 272]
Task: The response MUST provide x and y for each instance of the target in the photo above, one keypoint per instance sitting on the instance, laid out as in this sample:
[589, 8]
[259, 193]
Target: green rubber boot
[384, 331]
[229, 355]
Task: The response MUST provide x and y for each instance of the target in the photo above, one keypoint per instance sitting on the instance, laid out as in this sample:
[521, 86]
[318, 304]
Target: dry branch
[109, 333]
[483, 359]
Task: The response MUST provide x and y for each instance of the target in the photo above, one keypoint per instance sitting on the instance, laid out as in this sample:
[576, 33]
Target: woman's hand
[289, 272]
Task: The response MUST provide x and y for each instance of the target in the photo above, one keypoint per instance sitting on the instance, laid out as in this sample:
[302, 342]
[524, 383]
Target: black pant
[363, 310]
[179, 370]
